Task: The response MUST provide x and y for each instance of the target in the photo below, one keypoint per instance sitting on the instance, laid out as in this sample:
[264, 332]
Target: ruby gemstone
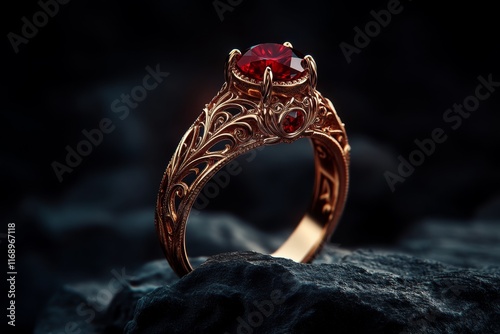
[293, 121]
[285, 62]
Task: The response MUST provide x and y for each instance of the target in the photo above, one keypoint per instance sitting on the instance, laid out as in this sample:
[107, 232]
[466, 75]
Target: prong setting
[251, 111]
[312, 69]
[234, 55]
[266, 88]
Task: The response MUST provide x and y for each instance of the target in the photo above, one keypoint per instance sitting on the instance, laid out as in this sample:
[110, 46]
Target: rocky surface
[360, 292]
[345, 291]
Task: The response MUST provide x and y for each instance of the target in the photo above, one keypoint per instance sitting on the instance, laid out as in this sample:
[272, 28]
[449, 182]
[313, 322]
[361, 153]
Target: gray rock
[444, 277]
[358, 292]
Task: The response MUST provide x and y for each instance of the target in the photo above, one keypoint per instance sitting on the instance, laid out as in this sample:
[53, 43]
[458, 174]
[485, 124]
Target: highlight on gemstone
[293, 121]
[285, 62]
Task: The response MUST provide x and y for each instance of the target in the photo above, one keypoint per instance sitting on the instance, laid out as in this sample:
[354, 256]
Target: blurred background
[74, 71]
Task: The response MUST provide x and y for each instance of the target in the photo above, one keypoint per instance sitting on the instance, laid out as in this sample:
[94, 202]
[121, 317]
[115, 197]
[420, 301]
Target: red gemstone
[293, 121]
[285, 62]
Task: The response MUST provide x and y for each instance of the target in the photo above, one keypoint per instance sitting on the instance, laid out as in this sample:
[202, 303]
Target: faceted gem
[293, 121]
[285, 62]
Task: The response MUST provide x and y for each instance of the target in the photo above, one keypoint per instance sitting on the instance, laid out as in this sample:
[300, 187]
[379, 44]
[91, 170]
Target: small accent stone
[293, 121]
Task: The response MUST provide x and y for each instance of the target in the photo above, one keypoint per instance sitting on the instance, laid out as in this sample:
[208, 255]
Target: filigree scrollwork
[327, 121]
[226, 124]
[249, 111]
[327, 185]
[275, 111]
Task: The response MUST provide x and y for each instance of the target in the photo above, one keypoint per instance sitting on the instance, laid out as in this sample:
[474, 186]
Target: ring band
[269, 97]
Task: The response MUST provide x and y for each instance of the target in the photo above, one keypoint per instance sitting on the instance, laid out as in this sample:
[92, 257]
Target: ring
[269, 97]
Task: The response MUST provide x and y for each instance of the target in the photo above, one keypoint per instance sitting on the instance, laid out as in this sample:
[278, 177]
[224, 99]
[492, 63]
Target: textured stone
[356, 292]
[346, 291]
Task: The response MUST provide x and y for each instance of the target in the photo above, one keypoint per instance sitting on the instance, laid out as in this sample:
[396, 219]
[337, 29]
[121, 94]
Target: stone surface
[360, 291]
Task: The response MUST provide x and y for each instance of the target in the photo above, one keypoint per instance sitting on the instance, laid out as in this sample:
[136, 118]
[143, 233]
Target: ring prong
[313, 72]
[231, 59]
[288, 44]
[267, 85]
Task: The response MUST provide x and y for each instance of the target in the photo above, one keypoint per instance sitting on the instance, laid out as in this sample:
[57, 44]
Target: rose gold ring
[269, 97]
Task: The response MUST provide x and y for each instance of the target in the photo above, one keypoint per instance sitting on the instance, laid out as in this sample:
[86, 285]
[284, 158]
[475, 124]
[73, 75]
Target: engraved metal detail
[238, 119]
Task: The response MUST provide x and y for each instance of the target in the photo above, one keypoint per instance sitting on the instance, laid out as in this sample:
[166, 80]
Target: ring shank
[329, 194]
[196, 160]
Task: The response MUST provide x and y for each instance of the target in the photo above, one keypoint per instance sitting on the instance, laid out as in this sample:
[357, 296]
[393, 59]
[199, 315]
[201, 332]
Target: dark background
[100, 217]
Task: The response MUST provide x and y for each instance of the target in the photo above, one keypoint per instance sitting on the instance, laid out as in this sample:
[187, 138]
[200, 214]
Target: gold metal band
[244, 115]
